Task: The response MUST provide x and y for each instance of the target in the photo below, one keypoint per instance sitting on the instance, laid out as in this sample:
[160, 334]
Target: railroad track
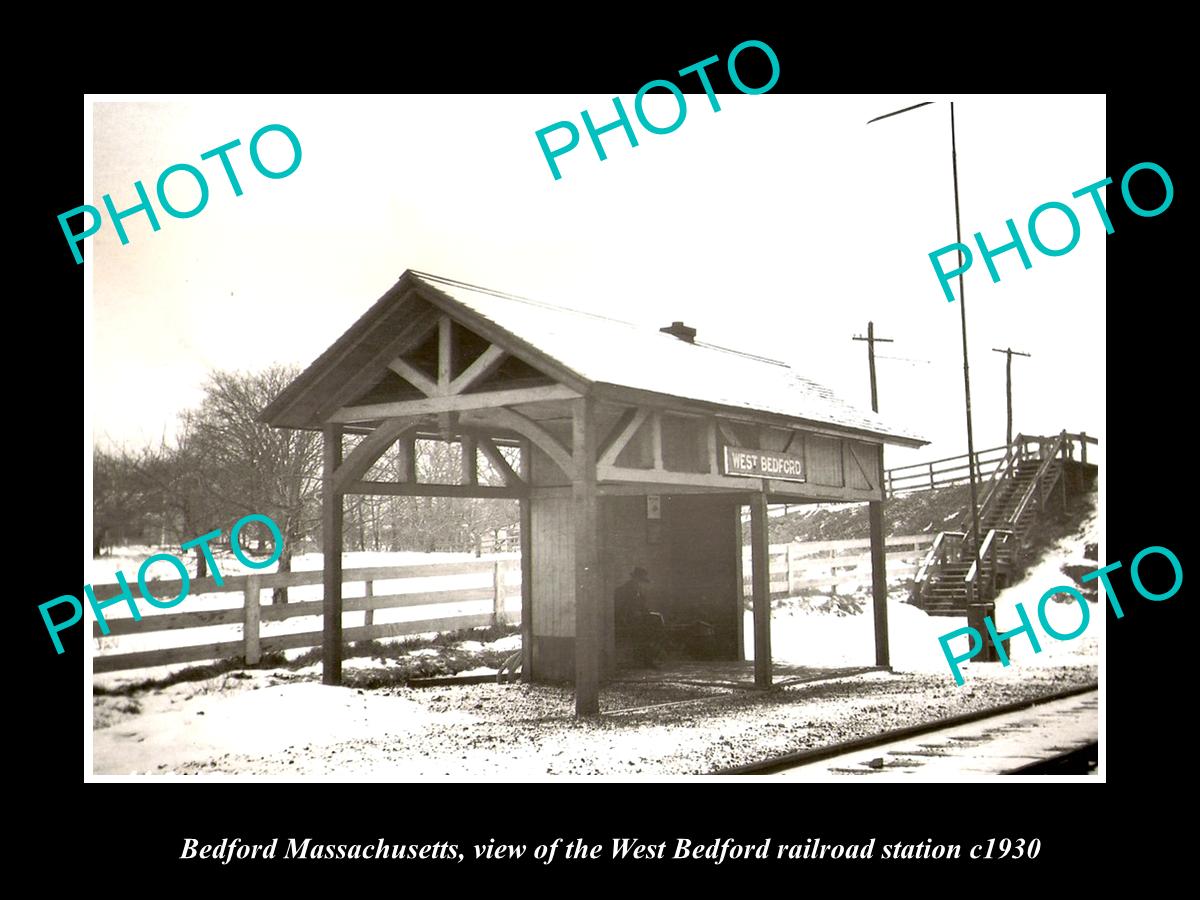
[1025, 737]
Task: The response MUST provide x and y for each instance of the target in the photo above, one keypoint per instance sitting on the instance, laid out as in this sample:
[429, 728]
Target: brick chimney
[683, 332]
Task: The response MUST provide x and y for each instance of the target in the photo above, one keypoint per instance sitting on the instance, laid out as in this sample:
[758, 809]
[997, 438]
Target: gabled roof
[585, 350]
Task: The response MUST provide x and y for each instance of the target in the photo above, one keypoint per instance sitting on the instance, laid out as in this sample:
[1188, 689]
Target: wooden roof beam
[362, 457]
[484, 365]
[489, 449]
[452, 403]
[414, 376]
[526, 427]
[622, 433]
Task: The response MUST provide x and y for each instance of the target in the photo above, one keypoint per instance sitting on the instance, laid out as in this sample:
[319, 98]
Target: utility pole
[871, 341]
[879, 592]
[962, 309]
[1010, 353]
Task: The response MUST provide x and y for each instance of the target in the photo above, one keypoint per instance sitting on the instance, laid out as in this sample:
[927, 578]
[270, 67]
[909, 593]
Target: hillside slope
[923, 512]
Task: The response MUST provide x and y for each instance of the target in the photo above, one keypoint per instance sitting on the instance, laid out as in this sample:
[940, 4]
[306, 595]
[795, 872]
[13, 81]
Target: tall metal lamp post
[962, 308]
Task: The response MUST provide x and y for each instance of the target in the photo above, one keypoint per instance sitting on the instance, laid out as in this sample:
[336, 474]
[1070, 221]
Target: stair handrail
[983, 553]
[987, 554]
[932, 560]
[1062, 449]
[989, 557]
[1048, 460]
[993, 482]
[931, 557]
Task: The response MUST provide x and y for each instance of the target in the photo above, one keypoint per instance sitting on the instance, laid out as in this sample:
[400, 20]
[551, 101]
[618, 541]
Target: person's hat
[639, 574]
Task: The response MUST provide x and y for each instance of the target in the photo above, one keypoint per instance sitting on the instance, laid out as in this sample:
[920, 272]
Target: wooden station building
[639, 447]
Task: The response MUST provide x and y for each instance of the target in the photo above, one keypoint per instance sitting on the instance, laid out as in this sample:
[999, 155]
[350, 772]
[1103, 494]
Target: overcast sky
[779, 225]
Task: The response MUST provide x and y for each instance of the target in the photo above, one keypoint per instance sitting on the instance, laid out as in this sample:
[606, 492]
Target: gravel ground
[527, 731]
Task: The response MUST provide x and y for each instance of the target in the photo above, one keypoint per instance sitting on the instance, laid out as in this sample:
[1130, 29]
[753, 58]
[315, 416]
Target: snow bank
[301, 716]
[813, 637]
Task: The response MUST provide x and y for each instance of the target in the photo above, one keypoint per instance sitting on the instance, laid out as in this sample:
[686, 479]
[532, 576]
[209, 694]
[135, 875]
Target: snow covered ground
[128, 559]
[264, 726]
[810, 637]
[282, 722]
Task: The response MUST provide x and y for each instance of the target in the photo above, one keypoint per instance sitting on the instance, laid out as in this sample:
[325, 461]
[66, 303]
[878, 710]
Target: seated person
[636, 625]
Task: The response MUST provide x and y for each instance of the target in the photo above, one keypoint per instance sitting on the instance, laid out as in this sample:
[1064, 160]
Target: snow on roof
[605, 350]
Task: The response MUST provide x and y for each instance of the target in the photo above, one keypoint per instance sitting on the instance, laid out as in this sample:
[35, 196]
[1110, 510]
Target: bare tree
[247, 466]
[118, 498]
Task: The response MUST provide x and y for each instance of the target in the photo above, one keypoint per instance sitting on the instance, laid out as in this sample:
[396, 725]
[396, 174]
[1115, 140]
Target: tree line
[222, 464]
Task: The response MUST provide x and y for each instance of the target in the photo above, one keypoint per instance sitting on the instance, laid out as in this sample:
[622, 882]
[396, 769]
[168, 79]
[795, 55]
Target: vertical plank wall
[553, 586]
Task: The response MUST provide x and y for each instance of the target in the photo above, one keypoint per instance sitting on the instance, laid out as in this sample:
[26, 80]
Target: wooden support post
[879, 591]
[445, 353]
[470, 464]
[1083, 447]
[787, 561]
[931, 482]
[656, 439]
[1062, 476]
[526, 571]
[408, 458]
[740, 618]
[587, 572]
[369, 614]
[760, 564]
[497, 595]
[331, 551]
[710, 435]
[250, 620]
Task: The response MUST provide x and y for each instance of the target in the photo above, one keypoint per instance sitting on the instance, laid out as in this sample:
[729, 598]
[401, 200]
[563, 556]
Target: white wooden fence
[818, 566]
[497, 586]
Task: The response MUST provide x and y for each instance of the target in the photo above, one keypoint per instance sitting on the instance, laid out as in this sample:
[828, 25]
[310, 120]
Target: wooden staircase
[1019, 490]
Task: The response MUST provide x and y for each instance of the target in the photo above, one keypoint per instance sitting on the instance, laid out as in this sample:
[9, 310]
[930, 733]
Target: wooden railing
[1001, 548]
[1043, 482]
[935, 473]
[815, 565]
[947, 543]
[498, 587]
[991, 490]
[954, 470]
[995, 553]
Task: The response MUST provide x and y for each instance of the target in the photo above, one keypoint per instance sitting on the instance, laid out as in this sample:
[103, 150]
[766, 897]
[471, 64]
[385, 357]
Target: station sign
[764, 464]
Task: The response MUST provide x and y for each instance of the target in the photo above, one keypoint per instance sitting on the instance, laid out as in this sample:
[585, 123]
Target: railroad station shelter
[638, 447]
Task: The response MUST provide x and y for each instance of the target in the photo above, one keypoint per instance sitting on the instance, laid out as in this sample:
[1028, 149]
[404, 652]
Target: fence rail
[794, 567]
[251, 614]
[936, 473]
[811, 565]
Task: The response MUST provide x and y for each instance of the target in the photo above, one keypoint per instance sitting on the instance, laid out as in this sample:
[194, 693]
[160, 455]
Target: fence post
[1083, 447]
[993, 562]
[788, 557]
[497, 596]
[1062, 476]
[250, 620]
[369, 615]
[931, 484]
